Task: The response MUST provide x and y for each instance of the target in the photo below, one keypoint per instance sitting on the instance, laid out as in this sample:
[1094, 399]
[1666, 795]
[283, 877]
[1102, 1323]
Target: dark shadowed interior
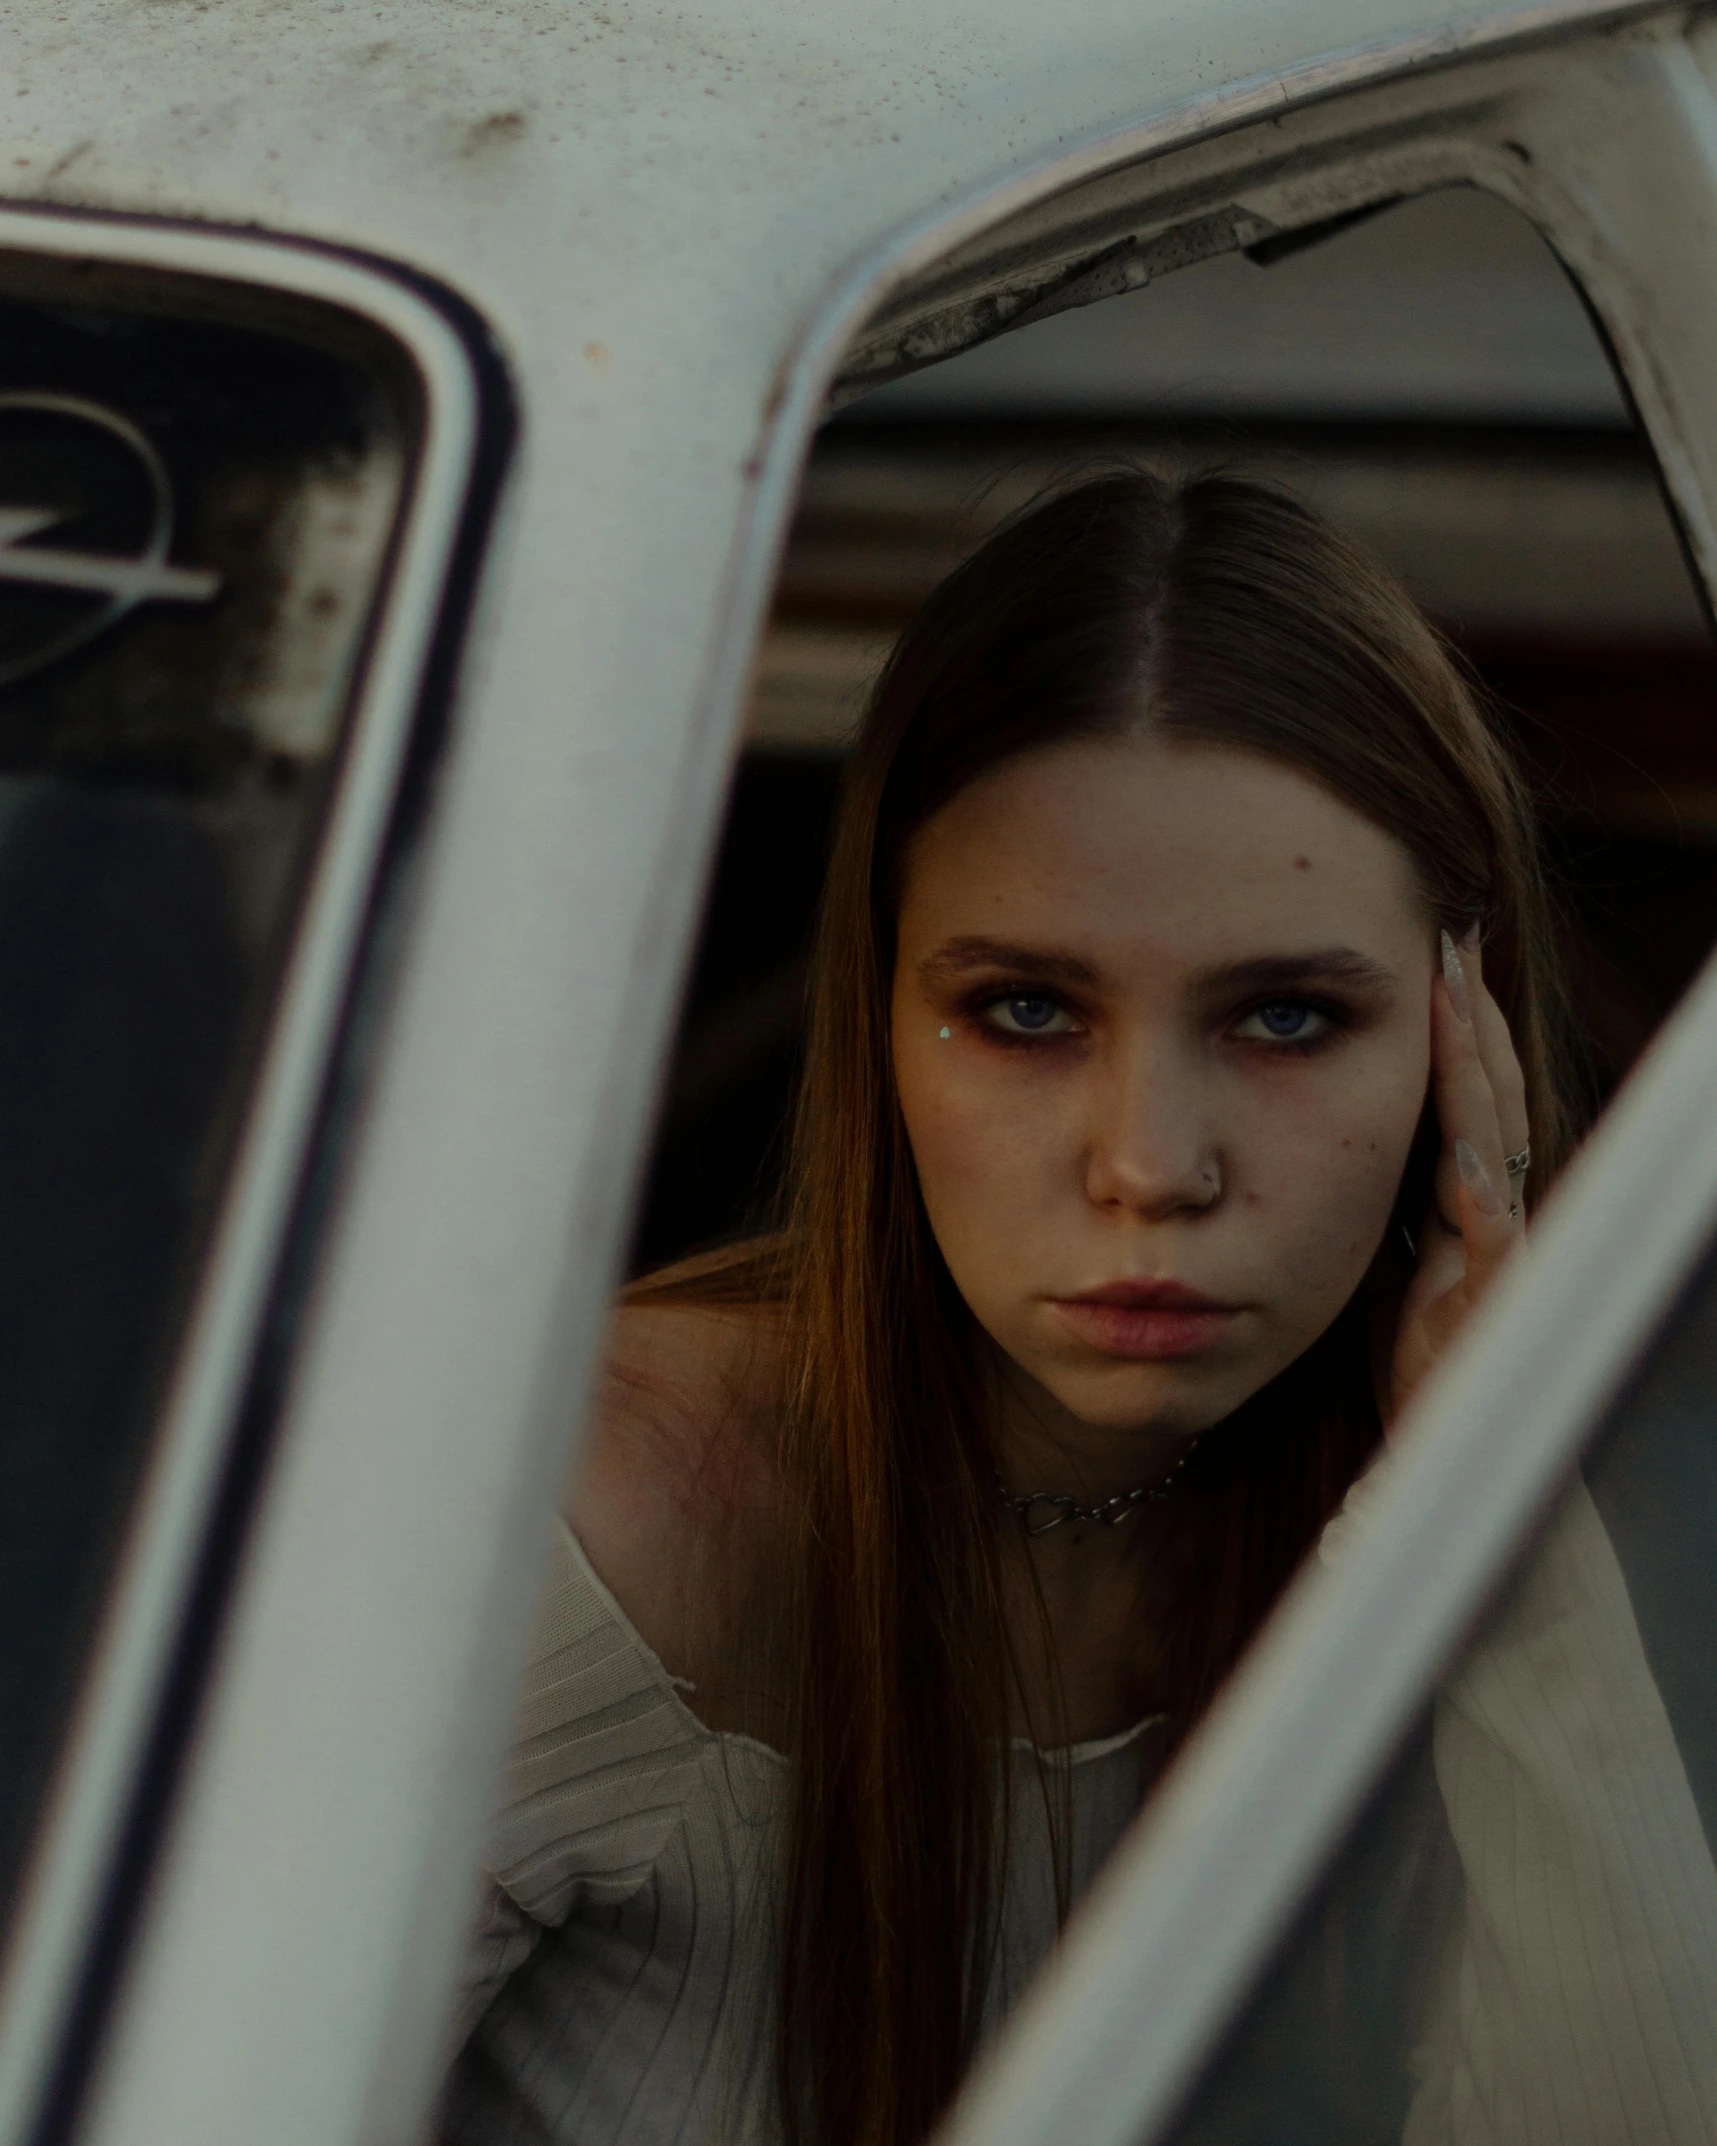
[1430, 381]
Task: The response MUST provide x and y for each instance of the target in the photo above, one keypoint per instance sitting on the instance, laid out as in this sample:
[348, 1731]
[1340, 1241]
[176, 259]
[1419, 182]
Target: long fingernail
[1456, 979]
[1476, 1178]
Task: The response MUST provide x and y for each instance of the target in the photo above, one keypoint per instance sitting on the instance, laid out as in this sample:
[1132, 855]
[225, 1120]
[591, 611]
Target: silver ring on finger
[1518, 1165]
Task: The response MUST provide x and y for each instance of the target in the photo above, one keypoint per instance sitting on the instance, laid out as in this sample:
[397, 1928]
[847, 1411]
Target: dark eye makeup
[1287, 1021]
[1291, 1022]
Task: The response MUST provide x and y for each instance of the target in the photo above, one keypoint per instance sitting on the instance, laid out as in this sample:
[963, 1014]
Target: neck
[1042, 1446]
[1085, 1597]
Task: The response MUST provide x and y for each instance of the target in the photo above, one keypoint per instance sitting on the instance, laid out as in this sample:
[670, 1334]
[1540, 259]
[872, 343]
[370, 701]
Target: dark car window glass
[1519, 1939]
[198, 492]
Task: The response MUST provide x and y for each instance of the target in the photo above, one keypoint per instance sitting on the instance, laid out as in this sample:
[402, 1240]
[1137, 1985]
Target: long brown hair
[1216, 609]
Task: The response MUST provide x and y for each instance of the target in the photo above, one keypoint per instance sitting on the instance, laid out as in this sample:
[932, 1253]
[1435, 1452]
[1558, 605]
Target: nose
[1151, 1148]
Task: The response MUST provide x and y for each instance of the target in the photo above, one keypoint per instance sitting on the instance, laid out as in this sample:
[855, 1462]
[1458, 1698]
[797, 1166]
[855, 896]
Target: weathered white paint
[655, 207]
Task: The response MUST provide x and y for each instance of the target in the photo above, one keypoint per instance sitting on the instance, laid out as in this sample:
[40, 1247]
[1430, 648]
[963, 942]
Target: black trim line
[253, 1438]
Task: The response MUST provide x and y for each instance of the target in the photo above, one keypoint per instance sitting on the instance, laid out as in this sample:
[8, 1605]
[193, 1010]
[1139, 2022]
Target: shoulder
[675, 1496]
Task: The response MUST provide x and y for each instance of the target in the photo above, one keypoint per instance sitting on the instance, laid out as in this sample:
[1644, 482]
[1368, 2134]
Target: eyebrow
[958, 957]
[1280, 972]
[1269, 972]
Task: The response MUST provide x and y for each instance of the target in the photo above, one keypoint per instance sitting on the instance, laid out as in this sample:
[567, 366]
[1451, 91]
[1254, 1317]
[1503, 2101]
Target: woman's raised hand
[1477, 1216]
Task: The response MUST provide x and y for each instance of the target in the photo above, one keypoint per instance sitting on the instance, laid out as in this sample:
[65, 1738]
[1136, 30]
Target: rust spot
[65, 163]
[489, 133]
[597, 353]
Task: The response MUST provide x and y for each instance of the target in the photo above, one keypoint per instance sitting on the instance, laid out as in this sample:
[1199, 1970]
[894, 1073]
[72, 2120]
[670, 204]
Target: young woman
[1184, 1043]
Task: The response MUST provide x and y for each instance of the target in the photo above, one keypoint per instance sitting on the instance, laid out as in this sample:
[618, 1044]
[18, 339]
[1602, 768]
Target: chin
[1179, 1400]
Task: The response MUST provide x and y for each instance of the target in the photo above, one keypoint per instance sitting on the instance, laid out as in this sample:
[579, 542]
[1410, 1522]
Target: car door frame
[1431, 80]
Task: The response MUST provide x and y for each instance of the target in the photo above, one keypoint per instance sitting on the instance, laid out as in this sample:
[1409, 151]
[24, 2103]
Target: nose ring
[1213, 1178]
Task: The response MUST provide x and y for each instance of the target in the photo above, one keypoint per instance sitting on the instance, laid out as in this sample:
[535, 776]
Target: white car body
[674, 221]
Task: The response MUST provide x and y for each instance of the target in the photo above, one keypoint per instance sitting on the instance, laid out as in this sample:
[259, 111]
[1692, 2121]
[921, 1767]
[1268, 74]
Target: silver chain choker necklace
[1106, 1513]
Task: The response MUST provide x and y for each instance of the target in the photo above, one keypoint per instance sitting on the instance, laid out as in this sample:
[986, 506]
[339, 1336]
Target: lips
[1147, 1321]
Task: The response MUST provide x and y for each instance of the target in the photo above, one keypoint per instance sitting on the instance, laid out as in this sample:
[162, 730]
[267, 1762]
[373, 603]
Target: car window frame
[137, 1699]
[1174, 1938]
[794, 405]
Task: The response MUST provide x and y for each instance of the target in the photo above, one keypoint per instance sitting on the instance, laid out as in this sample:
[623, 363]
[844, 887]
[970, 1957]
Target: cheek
[1330, 1170]
[984, 1151]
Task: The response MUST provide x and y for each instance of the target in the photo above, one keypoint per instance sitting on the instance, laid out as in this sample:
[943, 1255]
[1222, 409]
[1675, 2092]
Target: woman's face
[1161, 1030]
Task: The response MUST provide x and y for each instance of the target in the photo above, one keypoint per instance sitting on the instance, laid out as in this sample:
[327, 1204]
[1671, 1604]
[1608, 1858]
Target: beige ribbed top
[622, 1977]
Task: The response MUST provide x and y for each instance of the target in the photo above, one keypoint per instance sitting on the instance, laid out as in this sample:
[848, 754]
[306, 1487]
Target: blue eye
[1031, 1012]
[1028, 1015]
[1284, 1021]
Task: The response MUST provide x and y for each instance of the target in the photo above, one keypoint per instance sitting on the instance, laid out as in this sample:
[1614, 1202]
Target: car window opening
[968, 1404]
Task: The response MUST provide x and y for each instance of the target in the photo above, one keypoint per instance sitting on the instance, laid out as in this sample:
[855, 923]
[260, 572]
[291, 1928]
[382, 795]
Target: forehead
[1146, 841]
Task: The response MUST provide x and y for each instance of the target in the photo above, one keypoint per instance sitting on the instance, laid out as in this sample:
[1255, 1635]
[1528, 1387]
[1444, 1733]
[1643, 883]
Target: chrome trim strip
[95, 1774]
